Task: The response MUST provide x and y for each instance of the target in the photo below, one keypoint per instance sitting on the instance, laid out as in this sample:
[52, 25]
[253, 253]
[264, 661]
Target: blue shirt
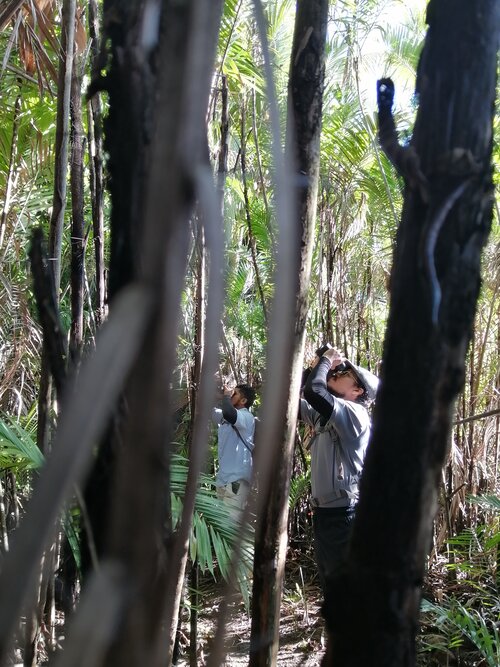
[235, 459]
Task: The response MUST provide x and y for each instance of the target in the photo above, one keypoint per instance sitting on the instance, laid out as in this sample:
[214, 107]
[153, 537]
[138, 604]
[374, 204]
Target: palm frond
[17, 448]
[458, 623]
[300, 487]
[214, 532]
[487, 502]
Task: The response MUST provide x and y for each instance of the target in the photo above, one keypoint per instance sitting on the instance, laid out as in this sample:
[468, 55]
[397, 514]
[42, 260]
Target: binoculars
[321, 351]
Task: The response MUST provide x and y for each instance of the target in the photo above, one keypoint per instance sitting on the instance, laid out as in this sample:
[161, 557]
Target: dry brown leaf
[80, 33]
[26, 50]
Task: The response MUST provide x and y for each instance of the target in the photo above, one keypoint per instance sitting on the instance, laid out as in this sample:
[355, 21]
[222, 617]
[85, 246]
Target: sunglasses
[340, 373]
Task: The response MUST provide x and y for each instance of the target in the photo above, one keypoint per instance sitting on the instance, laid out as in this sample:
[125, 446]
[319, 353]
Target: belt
[335, 495]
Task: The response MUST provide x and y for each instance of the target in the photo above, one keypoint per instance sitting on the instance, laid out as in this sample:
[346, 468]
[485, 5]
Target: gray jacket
[339, 443]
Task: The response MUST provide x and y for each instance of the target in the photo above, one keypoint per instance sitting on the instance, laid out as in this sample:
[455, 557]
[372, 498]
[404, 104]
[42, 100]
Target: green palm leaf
[214, 532]
[17, 448]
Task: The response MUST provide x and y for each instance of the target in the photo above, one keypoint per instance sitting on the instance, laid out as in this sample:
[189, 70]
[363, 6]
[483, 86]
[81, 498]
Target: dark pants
[332, 529]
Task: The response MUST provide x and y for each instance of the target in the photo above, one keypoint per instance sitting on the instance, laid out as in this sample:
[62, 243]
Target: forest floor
[301, 624]
[300, 633]
[301, 628]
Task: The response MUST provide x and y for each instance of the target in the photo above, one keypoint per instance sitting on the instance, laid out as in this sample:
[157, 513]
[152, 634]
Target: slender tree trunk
[59, 197]
[435, 283]
[62, 137]
[251, 238]
[199, 344]
[263, 191]
[4, 535]
[305, 110]
[224, 140]
[78, 224]
[55, 244]
[96, 170]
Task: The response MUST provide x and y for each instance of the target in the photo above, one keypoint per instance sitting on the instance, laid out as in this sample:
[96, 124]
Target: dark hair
[248, 392]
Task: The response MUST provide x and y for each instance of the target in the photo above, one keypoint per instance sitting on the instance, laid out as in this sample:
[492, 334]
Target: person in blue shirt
[235, 443]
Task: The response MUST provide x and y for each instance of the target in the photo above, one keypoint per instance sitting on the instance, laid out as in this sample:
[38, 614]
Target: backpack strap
[240, 437]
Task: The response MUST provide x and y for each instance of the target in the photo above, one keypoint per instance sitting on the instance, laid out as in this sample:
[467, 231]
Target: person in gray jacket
[336, 396]
[236, 427]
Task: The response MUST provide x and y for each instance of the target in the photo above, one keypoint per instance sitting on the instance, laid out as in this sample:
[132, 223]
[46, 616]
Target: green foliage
[18, 450]
[457, 623]
[469, 620]
[215, 533]
[300, 488]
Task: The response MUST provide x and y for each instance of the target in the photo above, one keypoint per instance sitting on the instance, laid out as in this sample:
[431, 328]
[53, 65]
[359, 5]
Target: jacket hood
[369, 381]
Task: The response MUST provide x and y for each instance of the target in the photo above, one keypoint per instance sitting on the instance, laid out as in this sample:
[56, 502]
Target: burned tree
[435, 285]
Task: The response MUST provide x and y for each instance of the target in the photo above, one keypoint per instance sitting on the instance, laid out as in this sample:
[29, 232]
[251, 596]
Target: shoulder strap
[240, 437]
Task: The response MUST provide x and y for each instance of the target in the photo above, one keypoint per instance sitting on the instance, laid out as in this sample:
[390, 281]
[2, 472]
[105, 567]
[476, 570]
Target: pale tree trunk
[435, 283]
[305, 109]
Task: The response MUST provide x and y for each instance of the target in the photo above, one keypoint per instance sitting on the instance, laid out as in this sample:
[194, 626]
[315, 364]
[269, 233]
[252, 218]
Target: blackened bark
[58, 202]
[130, 85]
[62, 138]
[435, 284]
[140, 534]
[78, 220]
[305, 113]
[54, 337]
[96, 166]
[224, 137]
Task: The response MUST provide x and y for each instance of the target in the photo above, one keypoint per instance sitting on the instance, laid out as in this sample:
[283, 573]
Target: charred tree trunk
[62, 137]
[141, 539]
[95, 164]
[435, 283]
[130, 86]
[78, 220]
[55, 244]
[305, 110]
[59, 199]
